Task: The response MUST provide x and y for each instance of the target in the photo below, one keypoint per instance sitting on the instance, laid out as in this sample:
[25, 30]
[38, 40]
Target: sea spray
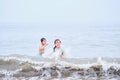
[25, 67]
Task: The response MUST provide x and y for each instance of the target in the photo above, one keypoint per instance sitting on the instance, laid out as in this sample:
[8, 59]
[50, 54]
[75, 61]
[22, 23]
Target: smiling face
[57, 43]
[44, 42]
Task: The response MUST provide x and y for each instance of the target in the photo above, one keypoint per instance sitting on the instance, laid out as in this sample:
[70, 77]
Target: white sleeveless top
[57, 53]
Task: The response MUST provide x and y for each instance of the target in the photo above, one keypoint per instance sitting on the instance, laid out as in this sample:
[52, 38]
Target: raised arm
[41, 49]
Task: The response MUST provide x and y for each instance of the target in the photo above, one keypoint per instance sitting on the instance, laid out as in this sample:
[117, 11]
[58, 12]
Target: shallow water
[21, 67]
[92, 53]
[78, 41]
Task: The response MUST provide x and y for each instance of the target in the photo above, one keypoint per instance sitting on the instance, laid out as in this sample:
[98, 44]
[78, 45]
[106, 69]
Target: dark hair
[54, 48]
[57, 40]
[54, 43]
[42, 39]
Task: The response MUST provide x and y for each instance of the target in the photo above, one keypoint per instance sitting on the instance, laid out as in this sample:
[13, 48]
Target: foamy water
[92, 53]
[20, 67]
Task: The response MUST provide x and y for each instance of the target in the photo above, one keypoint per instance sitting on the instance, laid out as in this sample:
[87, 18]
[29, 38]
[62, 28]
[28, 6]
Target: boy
[42, 46]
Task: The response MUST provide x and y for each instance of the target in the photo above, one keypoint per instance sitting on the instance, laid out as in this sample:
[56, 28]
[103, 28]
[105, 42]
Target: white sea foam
[31, 68]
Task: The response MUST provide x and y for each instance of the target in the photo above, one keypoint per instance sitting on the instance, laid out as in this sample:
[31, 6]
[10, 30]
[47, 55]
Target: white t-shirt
[57, 53]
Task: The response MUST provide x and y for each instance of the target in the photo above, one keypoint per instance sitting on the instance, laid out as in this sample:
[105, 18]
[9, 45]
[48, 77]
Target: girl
[57, 50]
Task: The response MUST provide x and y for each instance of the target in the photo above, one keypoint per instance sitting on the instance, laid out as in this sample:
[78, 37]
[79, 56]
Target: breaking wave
[21, 67]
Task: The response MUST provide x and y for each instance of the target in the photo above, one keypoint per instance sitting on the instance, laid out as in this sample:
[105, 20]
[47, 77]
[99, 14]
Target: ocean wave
[18, 67]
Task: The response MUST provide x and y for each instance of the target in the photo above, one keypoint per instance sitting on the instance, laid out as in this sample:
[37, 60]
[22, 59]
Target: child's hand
[46, 44]
[62, 56]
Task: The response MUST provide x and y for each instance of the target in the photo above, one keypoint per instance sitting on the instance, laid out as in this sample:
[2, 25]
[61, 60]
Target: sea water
[21, 67]
[79, 41]
[93, 53]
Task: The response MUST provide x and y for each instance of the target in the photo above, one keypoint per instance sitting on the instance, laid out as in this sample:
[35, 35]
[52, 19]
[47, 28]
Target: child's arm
[44, 46]
[62, 55]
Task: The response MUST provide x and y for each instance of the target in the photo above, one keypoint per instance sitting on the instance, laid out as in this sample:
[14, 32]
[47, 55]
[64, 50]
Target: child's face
[44, 42]
[57, 43]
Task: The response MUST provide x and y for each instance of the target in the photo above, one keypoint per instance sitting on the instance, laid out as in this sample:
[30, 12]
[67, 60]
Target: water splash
[21, 68]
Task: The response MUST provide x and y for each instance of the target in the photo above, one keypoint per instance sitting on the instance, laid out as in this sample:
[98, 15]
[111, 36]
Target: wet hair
[57, 40]
[54, 43]
[54, 48]
[42, 39]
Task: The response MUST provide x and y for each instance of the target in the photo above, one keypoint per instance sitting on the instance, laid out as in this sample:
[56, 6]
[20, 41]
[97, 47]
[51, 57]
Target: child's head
[43, 41]
[57, 42]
